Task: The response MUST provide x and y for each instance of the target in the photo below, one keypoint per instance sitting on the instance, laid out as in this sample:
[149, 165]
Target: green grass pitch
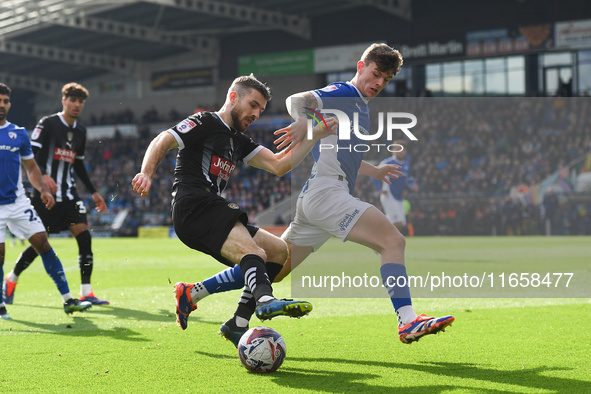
[517, 345]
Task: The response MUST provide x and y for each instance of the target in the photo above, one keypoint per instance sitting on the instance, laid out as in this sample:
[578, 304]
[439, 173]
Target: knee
[40, 243]
[396, 242]
[258, 252]
[278, 253]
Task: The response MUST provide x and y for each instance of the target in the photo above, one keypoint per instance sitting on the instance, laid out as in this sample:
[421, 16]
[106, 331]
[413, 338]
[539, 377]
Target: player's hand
[50, 183]
[47, 199]
[141, 183]
[297, 131]
[284, 141]
[291, 135]
[388, 171]
[101, 206]
[324, 129]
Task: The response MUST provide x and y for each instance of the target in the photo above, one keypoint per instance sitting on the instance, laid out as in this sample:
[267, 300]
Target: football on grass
[261, 349]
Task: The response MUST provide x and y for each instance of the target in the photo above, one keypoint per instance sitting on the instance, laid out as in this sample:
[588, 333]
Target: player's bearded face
[247, 109]
[4, 106]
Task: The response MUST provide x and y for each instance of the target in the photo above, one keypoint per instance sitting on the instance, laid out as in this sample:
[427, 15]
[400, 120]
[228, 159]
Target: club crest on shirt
[12, 135]
[233, 205]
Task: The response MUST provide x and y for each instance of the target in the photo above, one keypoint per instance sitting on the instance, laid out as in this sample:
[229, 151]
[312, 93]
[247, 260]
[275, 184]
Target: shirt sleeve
[39, 138]
[188, 130]
[251, 148]
[26, 150]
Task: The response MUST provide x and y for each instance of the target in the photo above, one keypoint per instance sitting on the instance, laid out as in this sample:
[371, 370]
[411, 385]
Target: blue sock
[53, 267]
[392, 275]
[229, 279]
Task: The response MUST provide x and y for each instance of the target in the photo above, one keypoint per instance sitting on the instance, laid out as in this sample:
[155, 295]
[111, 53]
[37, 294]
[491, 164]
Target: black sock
[273, 269]
[255, 276]
[25, 260]
[85, 259]
[247, 303]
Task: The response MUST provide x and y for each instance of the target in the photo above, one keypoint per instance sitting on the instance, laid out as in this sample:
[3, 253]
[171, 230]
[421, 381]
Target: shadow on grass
[83, 327]
[163, 315]
[319, 380]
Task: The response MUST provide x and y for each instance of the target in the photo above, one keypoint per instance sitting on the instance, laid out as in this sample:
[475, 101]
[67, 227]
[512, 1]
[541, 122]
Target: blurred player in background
[210, 144]
[326, 206]
[59, 144]
[16, 212]
[391, 194]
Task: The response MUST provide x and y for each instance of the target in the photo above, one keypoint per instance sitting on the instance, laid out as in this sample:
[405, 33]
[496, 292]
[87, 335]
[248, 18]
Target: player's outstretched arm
[34, 175]
[154, 154]
[282, 162]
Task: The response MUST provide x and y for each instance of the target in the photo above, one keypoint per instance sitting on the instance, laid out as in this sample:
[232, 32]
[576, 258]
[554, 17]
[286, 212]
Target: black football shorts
[203, 220]
[63, 214]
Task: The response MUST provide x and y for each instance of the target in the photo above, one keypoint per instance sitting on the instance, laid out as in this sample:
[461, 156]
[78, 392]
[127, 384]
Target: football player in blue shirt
[16, 212]
[391, 194]
[326, 206]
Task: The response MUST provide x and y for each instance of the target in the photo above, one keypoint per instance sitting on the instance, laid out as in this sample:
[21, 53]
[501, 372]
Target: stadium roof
[47, 41]
[44, 43]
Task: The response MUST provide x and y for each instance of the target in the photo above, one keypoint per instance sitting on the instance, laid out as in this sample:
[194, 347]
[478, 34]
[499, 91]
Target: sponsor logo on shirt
[66, 155]
[221, 168]
[185, 126]
[9, 147]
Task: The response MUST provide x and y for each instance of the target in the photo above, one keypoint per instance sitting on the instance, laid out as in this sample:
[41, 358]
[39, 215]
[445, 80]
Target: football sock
[245, 308]
[85, 289]
[255, 276]
[66, 297]
[85, 259]
[247, 304]
[24, 260]
[198, 292]
[53, 267]
[1, 284]
[226, 280]
[12, 277]
[395, 280]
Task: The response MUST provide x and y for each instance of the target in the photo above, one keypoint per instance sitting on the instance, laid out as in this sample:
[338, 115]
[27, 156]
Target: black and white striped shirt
[59, 151]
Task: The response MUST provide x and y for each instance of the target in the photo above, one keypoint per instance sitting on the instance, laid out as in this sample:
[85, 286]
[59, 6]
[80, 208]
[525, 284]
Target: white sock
[198, 292]
[85, 289]
[405, 314]
[66, 297]
[12, 277]
[241, 322]
[265, 298]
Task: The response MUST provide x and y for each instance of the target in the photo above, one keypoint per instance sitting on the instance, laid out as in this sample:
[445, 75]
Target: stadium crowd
[469, 154]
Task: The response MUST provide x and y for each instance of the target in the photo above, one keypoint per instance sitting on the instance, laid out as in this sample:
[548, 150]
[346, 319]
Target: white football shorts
[393, 209]
[21, 219]
[326, 209]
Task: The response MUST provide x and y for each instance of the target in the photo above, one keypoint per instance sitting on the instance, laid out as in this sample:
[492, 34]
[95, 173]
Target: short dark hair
[385, 57]
[73, 89]
[245, 83]
[5, 90]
